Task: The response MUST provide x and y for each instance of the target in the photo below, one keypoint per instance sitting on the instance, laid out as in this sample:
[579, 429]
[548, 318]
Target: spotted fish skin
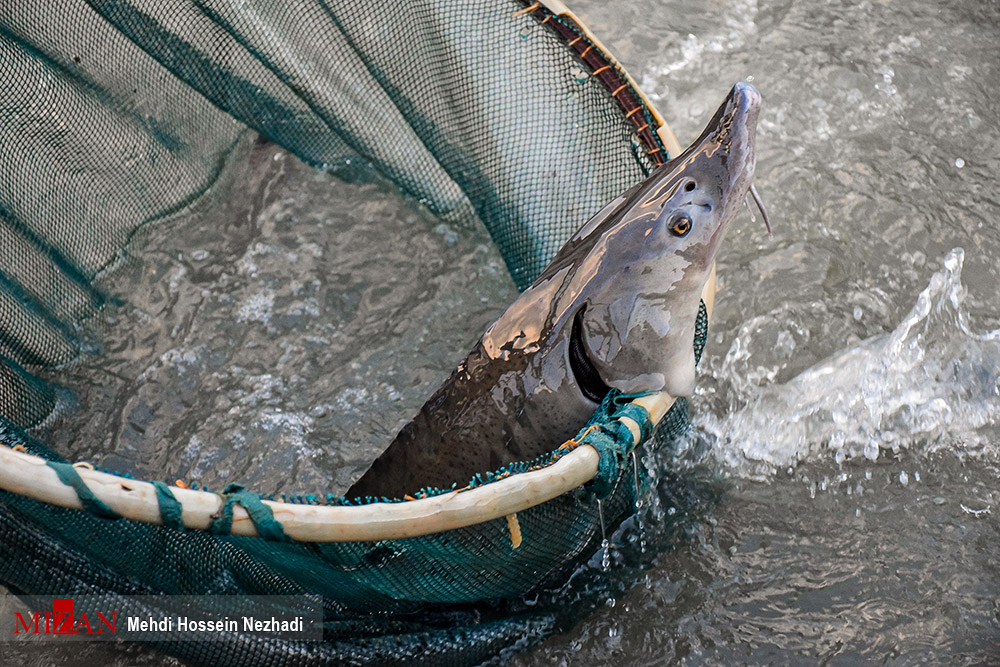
[616, 307]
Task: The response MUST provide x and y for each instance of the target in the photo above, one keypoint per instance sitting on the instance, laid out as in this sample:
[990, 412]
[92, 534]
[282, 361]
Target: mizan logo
[62, 621]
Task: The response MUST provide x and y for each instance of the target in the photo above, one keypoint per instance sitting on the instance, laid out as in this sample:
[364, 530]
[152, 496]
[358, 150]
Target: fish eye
[690, 186]
[680, 225]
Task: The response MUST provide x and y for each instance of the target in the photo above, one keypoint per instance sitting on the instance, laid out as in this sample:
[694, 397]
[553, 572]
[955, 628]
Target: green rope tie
[640, 416]
[611, 442]
[261, 515]
[170, 507]
[91, 503]
[612, 439]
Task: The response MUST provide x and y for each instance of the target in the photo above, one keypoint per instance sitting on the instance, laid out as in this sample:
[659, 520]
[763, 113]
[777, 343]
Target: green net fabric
[115, 114]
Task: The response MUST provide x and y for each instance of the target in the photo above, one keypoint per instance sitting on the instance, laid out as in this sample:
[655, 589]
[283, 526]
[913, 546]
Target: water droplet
[871, 450]
[746, 203]
[749, 78]
[638, 505]
[610, 602]
[605, 545]
[904, 479]
[959, 162]
[858, 313]
[916, 476]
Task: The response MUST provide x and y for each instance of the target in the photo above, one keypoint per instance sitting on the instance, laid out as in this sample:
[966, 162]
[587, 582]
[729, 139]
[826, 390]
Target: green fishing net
[115, 114]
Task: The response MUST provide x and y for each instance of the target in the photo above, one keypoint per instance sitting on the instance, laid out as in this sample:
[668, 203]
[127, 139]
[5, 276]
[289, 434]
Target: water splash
[639, 503]
[933, 382]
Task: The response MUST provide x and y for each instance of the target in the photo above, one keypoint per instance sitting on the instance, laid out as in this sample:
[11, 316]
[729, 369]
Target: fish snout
[724, 155]
[746, 98]
[735, 133]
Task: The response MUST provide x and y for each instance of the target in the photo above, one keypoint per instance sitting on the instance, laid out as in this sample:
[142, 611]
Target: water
[837, 500]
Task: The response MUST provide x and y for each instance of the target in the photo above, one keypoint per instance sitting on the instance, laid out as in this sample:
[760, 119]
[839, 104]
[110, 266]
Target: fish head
[646, 274]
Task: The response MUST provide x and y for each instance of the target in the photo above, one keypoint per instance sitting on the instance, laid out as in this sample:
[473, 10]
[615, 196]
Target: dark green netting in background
[116, 114]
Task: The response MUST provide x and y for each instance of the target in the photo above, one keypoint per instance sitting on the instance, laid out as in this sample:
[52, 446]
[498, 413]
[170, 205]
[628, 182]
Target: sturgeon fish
[616, 307]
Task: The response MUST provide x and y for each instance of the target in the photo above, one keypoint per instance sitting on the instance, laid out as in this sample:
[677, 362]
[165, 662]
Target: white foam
[933, 382]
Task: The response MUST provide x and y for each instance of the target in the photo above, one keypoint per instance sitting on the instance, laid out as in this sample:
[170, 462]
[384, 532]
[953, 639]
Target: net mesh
[115, 114]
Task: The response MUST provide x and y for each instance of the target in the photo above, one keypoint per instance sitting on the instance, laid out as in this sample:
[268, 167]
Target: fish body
[616, 307]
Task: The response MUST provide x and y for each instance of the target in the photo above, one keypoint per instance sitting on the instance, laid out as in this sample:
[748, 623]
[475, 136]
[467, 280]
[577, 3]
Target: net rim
[663, 130]
[31, 476]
